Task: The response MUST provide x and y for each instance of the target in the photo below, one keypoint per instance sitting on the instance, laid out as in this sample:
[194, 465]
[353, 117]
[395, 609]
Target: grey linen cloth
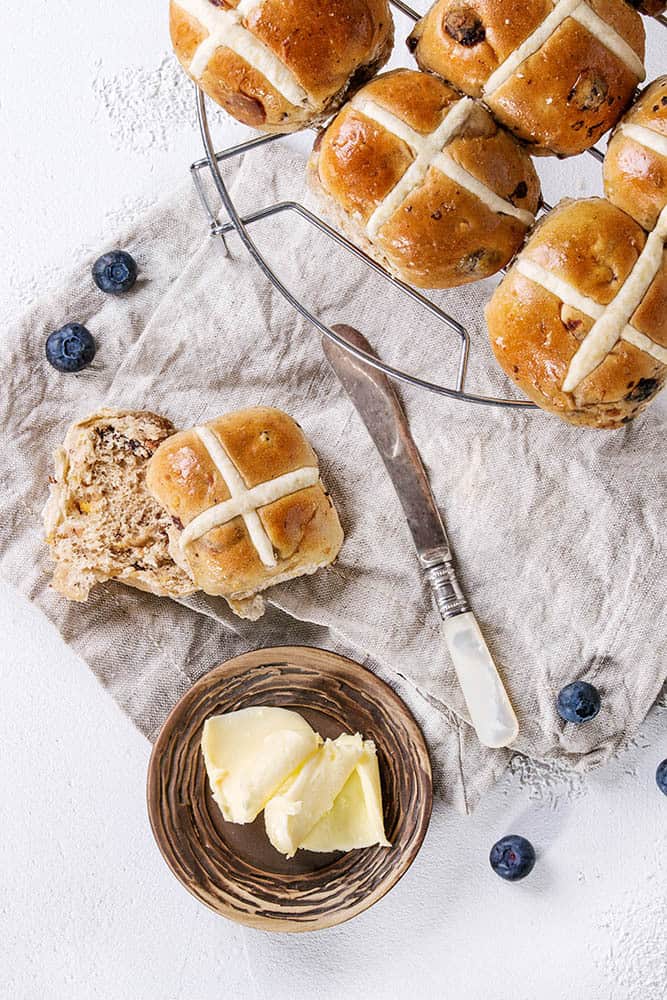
[557, 531]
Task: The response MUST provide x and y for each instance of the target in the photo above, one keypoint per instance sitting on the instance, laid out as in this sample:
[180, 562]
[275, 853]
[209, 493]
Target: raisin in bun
[425, 181]
[101, 523]
[652, 8]
[557, 75]
[635, 165]
[580, 320]
[248, 505]
[281, 65]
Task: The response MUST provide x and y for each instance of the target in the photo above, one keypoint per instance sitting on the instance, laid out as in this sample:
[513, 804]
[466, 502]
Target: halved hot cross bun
[558, 75]
[281, 65]
[248, 506]
[100, 521]
[580, 320]
[425, 181]
[635, 165]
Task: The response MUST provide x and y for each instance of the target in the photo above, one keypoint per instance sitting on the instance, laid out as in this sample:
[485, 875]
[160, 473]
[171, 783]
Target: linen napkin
[556, 530]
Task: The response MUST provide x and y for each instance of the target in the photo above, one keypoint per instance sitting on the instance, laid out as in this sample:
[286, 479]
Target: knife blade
[379, 407]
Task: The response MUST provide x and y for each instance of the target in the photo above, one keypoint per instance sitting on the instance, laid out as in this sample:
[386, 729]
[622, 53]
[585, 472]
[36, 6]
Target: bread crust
[99, 520]
[635, 176]
[591, 245]
[303, 527]
[441, 235]
[331, 47]
[563, 97]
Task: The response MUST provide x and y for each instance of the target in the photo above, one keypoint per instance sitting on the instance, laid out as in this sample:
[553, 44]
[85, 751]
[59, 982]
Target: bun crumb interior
[101, 523]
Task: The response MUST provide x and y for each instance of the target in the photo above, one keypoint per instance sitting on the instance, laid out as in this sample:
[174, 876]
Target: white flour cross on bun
[586, 16]
[430, 151]
[244, 502]
[226, 28]
[611, 321]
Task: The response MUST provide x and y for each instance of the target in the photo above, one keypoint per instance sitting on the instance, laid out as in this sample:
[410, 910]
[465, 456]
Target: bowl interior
[234, 869]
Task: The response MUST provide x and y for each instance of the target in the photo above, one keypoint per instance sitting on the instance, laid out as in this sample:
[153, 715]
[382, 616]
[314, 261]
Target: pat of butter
[355, 819]
[296, 809]
[250, 754]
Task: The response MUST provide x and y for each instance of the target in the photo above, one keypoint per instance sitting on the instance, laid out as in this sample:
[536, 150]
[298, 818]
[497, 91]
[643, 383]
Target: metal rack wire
[240, 224]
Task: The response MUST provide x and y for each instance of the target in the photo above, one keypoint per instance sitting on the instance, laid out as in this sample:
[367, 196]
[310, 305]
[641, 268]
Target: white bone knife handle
[490, 709]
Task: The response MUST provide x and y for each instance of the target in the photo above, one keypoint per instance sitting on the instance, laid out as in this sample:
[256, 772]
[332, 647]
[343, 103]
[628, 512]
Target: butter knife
[375, 399]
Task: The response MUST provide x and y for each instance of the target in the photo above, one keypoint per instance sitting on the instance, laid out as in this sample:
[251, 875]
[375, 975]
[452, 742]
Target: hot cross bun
[249, 509]
[558, 75]
[281, 65]
[580, 320]
[425, 181]
[635, 165]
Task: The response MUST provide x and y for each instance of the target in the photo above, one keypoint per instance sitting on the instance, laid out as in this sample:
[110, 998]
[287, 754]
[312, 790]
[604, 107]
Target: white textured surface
[99, 123]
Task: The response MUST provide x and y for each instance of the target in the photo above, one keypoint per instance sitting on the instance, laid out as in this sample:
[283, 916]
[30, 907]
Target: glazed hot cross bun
[425, 181]
[248, 506]
[281, 65]
[635, 165]
[580, 320]
[557, 74]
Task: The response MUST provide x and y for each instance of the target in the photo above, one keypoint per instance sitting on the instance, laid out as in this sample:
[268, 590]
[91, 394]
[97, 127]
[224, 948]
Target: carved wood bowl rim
[186, 822]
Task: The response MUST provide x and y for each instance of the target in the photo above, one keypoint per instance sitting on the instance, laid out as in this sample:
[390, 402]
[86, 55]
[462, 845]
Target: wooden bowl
[234, 869]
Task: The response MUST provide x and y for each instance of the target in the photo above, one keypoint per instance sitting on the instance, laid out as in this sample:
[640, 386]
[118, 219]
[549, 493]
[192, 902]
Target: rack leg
[225, 248]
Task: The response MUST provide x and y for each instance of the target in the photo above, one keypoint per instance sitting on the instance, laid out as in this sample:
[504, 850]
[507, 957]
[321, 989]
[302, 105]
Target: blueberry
[512, 857]
[578, 702]
[115, 272]
[71, 348]
[661, 776]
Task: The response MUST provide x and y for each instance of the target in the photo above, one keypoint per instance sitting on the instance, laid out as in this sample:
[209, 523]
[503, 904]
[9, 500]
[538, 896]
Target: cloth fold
[557, 531]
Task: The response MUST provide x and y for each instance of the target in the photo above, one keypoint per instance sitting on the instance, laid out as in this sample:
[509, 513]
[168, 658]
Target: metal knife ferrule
[440, 572]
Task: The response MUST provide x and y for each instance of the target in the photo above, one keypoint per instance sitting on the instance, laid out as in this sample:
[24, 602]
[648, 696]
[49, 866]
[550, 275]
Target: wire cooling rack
[240, 224]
